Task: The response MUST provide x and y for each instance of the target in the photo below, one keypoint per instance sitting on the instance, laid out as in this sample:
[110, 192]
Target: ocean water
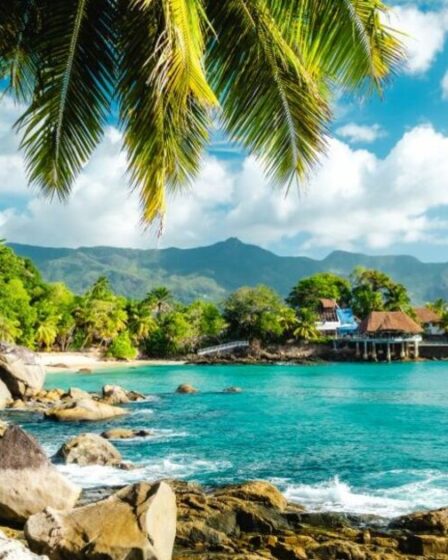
[361, 438]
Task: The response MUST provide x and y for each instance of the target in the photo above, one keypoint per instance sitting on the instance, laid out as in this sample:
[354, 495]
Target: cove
[361, 438]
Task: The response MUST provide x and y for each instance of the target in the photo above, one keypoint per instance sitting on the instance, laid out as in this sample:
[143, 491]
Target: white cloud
[425, 35]
[361, 133]
[445, 86]
[354, 200]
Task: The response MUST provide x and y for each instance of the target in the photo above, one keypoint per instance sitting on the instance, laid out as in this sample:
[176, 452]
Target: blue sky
[381, 189]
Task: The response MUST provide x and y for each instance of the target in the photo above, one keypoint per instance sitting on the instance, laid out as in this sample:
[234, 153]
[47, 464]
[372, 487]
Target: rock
[255, 491]
[18, 404]
[84, 410]
[232, 390]
[114, 394]
[89, 449]
[125, 433]
[85, 370]
[135, 396]
[28, 481]
[5, 396]
[20, 370]
[12, 549]
[186, 389]
[427, 522]
[139, 521]
[76, 394]
[427, 546]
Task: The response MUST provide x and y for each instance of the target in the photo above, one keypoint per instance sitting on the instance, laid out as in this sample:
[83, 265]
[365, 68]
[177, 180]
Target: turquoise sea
[362, 438]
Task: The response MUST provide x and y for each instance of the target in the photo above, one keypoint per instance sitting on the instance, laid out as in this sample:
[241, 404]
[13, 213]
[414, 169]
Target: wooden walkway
[223, 348]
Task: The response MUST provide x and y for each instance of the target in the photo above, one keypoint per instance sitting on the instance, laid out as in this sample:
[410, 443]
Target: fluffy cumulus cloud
[363, 134]
[425, 33]
[354, 200]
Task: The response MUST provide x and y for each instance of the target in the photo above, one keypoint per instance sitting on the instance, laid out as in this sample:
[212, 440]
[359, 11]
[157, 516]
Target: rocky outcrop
[185, 389]
[20, 370]
[5, 396]
[89, 449]
[424, 522]
[12, 549]
[84, 410]
[125, 433]
[138, 522]
[28, 481]
[114, 394]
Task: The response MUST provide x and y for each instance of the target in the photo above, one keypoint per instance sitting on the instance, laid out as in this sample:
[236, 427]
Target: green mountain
[212, 272]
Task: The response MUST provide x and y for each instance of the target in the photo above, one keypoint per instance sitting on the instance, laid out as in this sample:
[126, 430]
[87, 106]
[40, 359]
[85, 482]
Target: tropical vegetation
[169, 70]
[48, 316]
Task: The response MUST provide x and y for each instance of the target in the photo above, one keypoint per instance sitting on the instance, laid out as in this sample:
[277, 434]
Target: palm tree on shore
[265, 69]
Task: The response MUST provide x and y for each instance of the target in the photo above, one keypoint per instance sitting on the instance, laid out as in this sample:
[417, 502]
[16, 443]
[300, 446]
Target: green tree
[306, 325]
[174, 335]
[308, 291]
[9, 329]
[160, 300]
[206, 320]
[46, 334]
[255, 313]
[169, 65]
[376, 291]
[121, 348]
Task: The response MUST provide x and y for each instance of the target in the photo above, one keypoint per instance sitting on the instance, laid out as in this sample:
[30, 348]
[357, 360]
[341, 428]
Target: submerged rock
[125, 433]
[89, 449]
[232, 390]
[137, 522]
[114, 394]
[185, 389]
[12, 549]
[20, 370]
[84, 410]
[28, 481]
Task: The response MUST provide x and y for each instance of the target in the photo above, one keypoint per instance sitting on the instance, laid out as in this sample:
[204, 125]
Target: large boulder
[139, 521]
[20, 370]
[5, 396]
[28, 481]
[84, 410]
[114, 394]
[12, 549]
[185, 389]
[424, 522]
[89, 449]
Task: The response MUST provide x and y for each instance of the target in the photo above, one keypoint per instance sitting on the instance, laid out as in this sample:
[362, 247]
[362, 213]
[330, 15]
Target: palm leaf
[65, 120]
[163, 95]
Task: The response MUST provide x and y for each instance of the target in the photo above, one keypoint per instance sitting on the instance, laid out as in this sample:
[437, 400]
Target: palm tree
[266, 69]
[159, 299]
[46, 334]
[306, 325]
[9, 329]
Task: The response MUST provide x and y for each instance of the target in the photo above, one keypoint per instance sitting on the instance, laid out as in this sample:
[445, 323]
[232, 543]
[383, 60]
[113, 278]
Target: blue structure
[348, 323]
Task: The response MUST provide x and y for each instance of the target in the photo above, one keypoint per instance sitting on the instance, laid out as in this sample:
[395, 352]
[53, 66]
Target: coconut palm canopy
[266, 69]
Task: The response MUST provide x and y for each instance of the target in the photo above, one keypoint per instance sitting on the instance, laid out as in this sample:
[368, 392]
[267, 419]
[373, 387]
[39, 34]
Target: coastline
[91, 361]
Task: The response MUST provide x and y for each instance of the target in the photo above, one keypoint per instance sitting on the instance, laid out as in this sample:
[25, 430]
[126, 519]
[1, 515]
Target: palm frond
[164, 97]
[65, 119]
[270, 102]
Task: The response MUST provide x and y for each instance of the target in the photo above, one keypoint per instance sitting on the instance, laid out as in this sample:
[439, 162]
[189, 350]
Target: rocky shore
[44, 516]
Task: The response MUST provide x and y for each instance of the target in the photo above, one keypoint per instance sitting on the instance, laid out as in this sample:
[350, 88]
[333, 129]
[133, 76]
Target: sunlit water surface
[350, 437]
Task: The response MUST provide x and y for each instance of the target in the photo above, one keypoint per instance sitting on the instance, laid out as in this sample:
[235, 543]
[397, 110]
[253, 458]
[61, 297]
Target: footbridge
[223, 348]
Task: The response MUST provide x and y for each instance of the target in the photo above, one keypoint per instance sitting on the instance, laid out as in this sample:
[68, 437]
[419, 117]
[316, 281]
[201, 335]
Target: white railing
[223, 347]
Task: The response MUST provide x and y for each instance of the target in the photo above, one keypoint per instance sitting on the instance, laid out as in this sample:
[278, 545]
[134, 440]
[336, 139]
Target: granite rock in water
[84, 410]
[138, 522]
[89, 449]
[185, 389]
[28, 481]
[125, 433]
[20, 370]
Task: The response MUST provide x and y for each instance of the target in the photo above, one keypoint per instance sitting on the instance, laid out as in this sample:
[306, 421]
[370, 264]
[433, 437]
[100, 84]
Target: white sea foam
[175, 466]
[428, 492]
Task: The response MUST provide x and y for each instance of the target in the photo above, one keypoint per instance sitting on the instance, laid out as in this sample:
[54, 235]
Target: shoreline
[89, 362]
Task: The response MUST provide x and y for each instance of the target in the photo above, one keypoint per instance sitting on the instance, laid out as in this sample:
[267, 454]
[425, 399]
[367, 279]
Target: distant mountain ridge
[212, 272]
